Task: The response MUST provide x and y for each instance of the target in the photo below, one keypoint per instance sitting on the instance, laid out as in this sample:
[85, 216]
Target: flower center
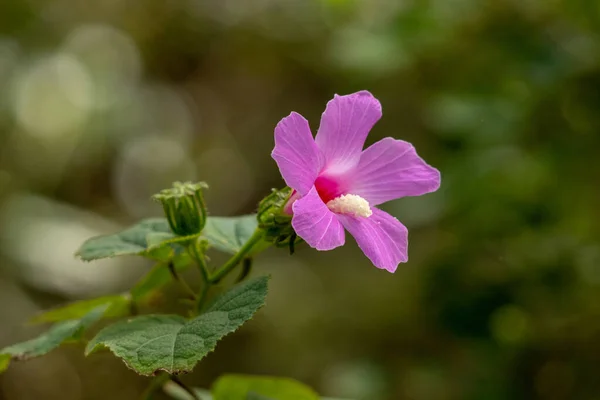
[351, 204]
[328, 188]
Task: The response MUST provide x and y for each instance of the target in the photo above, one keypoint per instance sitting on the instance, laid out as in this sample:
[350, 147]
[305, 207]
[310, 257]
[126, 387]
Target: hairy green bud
[184, 207]
[275, 221]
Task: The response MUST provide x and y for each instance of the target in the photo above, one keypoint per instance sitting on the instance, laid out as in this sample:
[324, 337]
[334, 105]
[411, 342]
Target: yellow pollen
[351, 204]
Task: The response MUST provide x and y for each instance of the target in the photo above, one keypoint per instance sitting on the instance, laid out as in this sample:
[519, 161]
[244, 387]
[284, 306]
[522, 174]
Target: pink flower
[337, 185]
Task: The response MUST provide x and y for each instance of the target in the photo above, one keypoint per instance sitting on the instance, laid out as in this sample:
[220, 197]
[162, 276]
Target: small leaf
[153, 238]
[159, 276]
[133, 240]
[173, 344]
[51, 339]
[117, 305]
[178, 393]
[228, 234]
[243, 387]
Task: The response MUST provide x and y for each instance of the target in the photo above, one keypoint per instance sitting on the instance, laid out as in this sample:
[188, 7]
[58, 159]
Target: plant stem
[185, 387]
[181, 282]
[237, 257]
[208, 280]
[203, 268]
[154, 386]
[202, 297]
[246, 268]
[200, 261]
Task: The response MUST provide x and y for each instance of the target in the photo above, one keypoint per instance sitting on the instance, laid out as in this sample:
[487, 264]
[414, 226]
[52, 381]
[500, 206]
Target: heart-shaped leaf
[173, 344]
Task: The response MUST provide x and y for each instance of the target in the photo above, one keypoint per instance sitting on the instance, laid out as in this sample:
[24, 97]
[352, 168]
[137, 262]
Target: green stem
[202, 297]
[181, 282]
[246, 268]
[237, 257]
[203, 268]
[200, 261]
[184, 387]
[154, 386]
[207, 279]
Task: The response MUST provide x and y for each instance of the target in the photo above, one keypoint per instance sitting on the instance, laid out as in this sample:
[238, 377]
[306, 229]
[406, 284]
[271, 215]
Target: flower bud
[184, 207]
[275, 221]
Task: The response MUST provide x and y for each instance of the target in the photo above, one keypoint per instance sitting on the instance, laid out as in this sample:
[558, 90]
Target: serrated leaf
[173, 344]
[116, 306]
[51, 339]
[178, 393]
[243, 387]
[159, 276]
[229, 234]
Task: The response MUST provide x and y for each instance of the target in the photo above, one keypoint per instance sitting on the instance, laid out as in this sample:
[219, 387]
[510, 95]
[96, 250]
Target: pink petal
[316, 224]
[345, 125]
[296, 154]
[391, 169]
[381, 237]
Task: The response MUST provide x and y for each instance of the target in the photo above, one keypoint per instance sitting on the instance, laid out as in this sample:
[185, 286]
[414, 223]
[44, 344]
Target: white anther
[351, 204]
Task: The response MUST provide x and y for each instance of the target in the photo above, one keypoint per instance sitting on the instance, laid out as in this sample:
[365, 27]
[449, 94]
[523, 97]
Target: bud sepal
[275, 221]
[184, 207]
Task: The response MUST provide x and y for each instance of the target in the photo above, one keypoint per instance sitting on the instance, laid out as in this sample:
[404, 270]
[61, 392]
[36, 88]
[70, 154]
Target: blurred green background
[103, 103]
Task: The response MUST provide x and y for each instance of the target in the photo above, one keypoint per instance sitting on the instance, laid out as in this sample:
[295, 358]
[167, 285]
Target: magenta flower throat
[337, 185]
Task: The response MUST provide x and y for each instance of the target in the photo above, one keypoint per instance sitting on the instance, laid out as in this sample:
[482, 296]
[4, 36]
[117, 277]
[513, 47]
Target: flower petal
[316, 224]
[296, 154]
[391, 169]
[381, 237]
[344, 127]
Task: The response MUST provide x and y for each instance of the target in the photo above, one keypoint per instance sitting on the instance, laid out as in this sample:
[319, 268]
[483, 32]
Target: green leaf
[153, 238]
[228, 234]
[159, 276]
[133, 240]
[4, 361]
[243, 387]
[48, 341]
[256, 396]
[171, 343]
[178, 393]
[116, 306]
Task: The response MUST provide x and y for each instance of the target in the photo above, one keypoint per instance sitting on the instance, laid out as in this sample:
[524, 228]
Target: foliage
[48, 341]
[170, 343]
[153, 238]
[154, 344]
[247, 387]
